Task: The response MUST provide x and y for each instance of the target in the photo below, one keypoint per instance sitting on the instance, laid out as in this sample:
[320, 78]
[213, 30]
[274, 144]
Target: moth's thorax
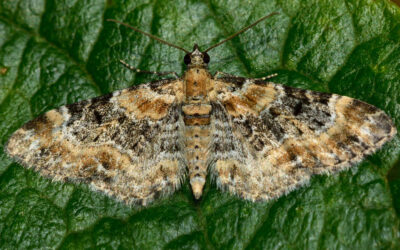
[196, 111]
[197, 81]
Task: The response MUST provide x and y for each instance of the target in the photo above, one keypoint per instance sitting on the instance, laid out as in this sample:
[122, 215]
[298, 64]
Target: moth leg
[267, 77]
[148, 72]
[220, 74]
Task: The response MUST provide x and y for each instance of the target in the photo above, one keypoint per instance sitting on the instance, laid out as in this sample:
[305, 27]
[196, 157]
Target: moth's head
[196, 58]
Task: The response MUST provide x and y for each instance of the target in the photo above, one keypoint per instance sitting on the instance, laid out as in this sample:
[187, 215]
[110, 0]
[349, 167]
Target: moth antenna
[148, 34]
[242, 30]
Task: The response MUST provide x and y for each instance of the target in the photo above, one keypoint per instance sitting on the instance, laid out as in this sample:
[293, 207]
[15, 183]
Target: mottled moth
[255, 138]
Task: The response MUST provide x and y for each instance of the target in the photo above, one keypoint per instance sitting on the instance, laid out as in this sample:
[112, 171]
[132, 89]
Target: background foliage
[54, 52]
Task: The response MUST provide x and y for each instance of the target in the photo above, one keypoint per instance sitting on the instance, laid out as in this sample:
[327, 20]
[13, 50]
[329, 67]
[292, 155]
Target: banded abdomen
[197, 140]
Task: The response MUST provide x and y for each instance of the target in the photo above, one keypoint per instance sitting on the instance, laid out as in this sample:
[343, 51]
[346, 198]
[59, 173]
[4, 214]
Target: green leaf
[58, 52]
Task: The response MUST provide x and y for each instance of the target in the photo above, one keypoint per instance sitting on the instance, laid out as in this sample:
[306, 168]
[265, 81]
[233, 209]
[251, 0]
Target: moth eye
[186, 59]
[206, 57]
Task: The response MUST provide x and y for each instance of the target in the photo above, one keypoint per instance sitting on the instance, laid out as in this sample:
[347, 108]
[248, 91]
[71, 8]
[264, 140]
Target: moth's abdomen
[197, 135]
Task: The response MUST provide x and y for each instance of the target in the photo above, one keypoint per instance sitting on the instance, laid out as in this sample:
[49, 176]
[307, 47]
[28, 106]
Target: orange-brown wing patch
[249, 99]
[150, 101]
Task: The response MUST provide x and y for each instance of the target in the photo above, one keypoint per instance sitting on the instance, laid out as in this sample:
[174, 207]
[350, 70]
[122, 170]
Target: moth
[256, 139]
